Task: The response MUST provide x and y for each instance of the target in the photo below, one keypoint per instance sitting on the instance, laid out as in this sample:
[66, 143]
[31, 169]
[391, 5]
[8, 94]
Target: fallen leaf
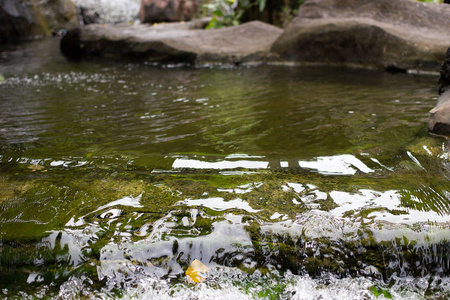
[196, 272]
[34, 168]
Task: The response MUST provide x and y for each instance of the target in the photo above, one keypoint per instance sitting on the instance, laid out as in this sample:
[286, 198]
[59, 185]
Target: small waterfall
[109, 11]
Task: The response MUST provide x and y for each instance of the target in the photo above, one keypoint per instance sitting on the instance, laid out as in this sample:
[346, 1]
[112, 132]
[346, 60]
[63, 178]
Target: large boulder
[172, 42]
[439, 122]
[394, 35]
[19, 20]
[28, 19]
[153, 11]
[58, 14]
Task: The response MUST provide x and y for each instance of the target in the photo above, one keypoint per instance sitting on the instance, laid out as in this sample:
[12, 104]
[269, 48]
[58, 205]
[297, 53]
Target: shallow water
[287, 182]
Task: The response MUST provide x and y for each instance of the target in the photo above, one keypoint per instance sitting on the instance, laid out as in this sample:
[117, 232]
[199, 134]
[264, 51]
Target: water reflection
[219, 204]
[328, 165]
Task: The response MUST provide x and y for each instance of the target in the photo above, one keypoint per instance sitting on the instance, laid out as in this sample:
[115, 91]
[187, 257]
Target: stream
[286, 182]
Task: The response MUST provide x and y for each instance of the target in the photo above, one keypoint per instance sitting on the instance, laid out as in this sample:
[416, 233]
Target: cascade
[110, 11]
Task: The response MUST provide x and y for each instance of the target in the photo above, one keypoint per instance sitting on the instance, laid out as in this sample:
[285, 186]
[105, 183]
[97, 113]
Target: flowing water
[110, 11]
[287, 182]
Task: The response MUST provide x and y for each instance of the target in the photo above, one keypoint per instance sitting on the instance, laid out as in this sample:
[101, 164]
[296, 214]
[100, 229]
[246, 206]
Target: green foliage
[380, 292]
[229, 12]
[431, 1]
[233, 12]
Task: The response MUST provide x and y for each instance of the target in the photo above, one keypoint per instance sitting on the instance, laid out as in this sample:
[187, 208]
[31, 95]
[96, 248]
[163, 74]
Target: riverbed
[287, 182]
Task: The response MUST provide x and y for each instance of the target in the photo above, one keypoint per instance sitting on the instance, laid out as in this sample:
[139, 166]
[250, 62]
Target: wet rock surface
[439, 121]
[173, 42]
[394, 35]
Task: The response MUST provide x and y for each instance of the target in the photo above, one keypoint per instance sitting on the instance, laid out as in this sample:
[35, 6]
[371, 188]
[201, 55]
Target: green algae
[107, 133]
[297, 254]
[82, 194]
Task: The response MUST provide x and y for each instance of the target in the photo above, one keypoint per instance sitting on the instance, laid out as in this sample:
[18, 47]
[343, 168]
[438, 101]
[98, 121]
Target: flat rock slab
[395, 35]
[173, 42]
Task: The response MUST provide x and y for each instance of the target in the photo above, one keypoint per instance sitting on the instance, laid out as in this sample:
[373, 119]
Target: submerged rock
[27, 19]
[393, 35]
[172, 42]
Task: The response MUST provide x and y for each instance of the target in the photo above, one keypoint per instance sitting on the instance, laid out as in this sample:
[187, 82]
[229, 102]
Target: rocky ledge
[395, 35]
[173, 42]
[398, 35]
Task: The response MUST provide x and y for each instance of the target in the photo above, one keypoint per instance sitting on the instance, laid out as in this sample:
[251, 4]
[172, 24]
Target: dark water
[287, 182]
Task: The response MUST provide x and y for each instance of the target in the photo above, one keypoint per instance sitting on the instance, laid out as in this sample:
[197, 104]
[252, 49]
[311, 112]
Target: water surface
[287, 182]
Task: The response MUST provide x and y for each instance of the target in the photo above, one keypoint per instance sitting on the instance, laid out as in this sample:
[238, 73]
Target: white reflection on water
[336, 165]
[125, 201]
[181, 163]
[156, 255]
[329, 165]
[387, 201]
[243, 189]
[218, 203]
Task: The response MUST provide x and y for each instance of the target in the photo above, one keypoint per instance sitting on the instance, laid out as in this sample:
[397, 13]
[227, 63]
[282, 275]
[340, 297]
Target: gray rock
[18, 20]
[27, 19]
[58, 14]
[395, 35]
[444, 80]
[439, 121]
[173, 42]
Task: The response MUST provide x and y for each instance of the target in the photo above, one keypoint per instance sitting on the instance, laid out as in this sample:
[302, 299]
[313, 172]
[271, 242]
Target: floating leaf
[196, 272]
[34, 168]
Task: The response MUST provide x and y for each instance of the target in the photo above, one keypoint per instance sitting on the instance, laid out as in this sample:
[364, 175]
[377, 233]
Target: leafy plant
[378, 292]
[233, 12]
[229, 12]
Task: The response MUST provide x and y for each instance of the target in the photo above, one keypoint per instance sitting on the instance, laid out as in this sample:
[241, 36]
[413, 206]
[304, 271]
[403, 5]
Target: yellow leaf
[34, 168]
[196, 272]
